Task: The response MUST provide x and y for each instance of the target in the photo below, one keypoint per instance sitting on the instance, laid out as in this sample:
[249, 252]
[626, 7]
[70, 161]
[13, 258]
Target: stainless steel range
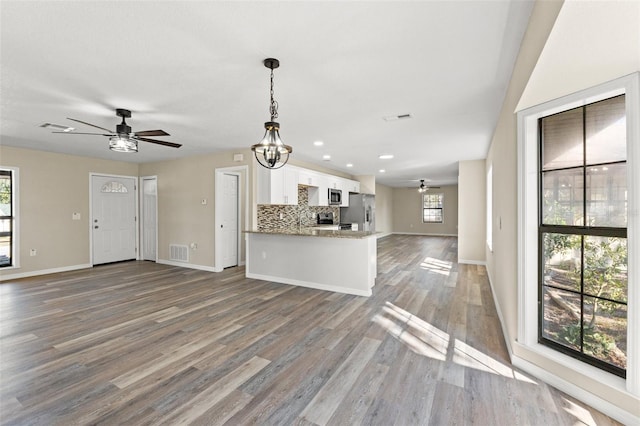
[325, 218]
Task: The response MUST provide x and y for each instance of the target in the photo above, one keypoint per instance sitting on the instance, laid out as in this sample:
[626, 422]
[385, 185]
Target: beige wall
[501, 263]
[472, 222]
[384, 209]
[367, 184]
[407, 212]
[591, 42]
[51, 188]
[182, 218]
[502, 155]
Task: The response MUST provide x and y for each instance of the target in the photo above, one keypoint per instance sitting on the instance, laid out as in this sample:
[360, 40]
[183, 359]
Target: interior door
[230, 220]
[113, 221]
[149, 218]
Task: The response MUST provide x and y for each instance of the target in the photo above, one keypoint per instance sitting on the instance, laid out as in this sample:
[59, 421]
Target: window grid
[582, 242]
[432, 208]
[6, 218]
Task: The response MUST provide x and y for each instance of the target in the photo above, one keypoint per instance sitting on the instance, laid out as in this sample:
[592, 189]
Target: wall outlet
[75, 216]
[281, 216]
[193, 246]
[33, 252]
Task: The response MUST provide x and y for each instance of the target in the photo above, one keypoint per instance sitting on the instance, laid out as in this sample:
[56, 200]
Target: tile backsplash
[293, 216]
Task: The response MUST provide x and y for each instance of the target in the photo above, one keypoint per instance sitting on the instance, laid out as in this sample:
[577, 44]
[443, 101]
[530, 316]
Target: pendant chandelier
[271, 152]
[422, 188]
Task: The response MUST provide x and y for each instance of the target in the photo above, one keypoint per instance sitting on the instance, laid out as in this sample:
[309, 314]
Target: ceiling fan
[123, 139]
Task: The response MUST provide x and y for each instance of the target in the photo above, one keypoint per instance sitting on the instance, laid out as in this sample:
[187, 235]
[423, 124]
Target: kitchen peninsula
[332, 260]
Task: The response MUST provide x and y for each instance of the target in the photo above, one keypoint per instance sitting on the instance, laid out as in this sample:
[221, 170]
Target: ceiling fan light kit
[123, 139]
[271, 152]
[422, 188]
[123, 144]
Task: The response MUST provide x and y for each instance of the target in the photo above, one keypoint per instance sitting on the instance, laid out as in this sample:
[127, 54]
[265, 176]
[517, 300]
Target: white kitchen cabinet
[308, 177]
[352, 186]
[319, 195]
[279, 186]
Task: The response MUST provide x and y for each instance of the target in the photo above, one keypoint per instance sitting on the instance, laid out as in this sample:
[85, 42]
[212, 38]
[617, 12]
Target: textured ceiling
[195, 70]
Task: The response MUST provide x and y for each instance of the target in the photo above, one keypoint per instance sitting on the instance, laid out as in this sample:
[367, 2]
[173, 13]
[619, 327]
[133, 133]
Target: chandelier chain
[273, 107]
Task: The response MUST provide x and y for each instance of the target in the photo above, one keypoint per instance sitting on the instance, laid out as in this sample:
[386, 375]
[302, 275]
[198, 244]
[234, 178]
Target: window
[7, 217]
[114, 186]
[432, 208]
[583, 233]
[490, 208]
[573, 230]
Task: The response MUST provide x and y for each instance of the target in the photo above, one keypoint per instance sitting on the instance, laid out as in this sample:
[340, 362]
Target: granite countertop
[310, 232]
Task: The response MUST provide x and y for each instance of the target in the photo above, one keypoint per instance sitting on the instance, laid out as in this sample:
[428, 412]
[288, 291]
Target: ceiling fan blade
[165, 143]
[89, 124]
[152, 133]
[76, 133]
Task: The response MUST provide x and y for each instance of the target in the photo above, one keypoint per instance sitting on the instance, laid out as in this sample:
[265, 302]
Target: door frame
[137, 212]
[243, 191]
[141, 221]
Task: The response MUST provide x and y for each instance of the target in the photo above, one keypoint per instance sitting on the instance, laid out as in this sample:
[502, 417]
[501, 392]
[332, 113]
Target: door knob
[95, 227]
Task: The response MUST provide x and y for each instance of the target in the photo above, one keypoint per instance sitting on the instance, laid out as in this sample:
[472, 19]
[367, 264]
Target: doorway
[231, 201]
[230, 220]
[149, 217]
[113, 218]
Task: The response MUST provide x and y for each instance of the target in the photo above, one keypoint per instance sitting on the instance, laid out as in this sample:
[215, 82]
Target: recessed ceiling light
[318, 143]
[326, 157]
[386, 156]
[349, 165]
[382, 170]
[396, 117]
[58, 127]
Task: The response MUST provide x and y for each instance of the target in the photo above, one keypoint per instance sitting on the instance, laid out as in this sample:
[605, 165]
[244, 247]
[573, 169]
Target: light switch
[204, 202]
[75, 216]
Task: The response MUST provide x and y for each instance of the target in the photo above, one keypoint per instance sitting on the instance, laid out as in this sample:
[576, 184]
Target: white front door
[113, 221]
[229, 220]
[149, 217]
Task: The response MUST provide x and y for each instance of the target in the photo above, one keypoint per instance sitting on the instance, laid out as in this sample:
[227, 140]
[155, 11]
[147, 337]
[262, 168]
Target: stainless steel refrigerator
[361, 210]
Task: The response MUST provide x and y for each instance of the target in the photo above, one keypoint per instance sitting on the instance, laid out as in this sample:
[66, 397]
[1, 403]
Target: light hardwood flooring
[140, 343]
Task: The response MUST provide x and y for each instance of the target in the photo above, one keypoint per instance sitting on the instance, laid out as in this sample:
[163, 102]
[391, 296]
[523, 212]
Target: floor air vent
[178, 253]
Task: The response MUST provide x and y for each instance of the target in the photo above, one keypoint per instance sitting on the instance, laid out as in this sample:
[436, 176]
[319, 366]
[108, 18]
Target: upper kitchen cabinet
[351, 186]
[308, 177]
[279, 186]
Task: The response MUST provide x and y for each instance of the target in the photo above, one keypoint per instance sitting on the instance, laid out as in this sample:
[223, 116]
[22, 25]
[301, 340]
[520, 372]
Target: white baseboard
[569, 388]
[473, 262]
[189, 265]
[427, 234]
[309, 284]
[507, 341]
[43, 272]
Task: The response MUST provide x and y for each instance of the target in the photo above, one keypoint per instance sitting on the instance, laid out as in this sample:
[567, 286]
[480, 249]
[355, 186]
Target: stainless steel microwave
[335, 197]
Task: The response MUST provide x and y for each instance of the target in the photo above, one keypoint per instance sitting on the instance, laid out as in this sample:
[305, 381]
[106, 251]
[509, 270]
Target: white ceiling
[194, 69]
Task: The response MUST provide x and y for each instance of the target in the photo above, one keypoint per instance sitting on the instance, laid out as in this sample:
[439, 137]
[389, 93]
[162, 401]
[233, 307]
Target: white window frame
[490, 207]
[441, 194]
[528, 139]
[15, 232]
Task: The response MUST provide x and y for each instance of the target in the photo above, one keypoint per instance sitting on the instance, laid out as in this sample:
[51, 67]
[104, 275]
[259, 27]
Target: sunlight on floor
[424, 339]
[467, 356]
[442, 267]
[580, 413]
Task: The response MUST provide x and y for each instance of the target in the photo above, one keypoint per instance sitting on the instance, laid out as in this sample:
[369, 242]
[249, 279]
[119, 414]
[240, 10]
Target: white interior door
[229, 222]
[113, 221]
[149, 218]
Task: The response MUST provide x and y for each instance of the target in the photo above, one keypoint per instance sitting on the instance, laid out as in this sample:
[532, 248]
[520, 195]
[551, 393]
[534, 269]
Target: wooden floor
[141, 343]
